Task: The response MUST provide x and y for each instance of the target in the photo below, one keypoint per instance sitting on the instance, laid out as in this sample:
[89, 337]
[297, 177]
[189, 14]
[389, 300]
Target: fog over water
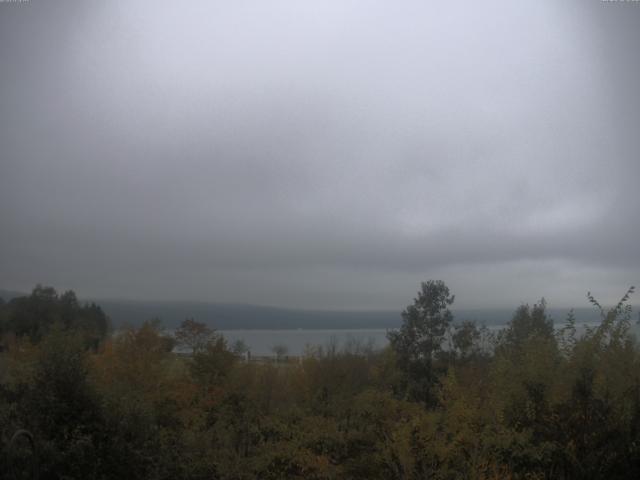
[321, 155]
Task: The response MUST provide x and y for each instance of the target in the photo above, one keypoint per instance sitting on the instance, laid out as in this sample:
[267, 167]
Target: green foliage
[212, 362]
[549, 404]
[466, 340]
[62, 409]
[527, 323]
[240, 348]
[193, 336]
[419, 340]
[35, 315]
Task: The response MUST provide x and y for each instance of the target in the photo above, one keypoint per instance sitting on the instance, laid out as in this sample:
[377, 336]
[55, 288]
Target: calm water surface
[261, 342]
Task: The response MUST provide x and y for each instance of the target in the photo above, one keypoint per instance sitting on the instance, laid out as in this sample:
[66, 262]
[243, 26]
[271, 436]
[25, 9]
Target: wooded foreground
[445, 400]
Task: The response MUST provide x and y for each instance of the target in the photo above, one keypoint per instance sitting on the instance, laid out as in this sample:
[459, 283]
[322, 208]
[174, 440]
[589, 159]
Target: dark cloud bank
[321, 154]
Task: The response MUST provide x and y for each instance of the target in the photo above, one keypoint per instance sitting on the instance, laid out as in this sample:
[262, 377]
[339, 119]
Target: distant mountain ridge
[223, 316]
[228, 316]
[7, 295]
[255, 317]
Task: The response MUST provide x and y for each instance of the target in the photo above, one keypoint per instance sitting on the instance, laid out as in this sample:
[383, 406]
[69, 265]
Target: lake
[261, 342]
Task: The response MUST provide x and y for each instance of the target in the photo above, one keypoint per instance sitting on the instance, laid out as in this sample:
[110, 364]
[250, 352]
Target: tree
[240, 348]
[466, 338]
[280, 351]
[193, 336]
[212, 362]
[527, 323]
[63, 408]
[35, 315]
[420, 337]
[3, 318]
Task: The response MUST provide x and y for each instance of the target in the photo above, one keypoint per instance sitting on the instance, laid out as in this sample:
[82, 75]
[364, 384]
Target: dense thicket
[444, 400]
[34, 316]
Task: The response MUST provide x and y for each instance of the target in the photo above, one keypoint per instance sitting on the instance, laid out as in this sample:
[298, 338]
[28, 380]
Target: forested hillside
[445, 400]
[233, 316]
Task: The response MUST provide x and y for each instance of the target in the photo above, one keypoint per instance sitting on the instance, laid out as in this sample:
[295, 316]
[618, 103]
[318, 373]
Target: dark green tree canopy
[465, 339]
[419, 340]
[36, 314]
[435, 404]
[193, 336]
[425, 323]
[527, 322]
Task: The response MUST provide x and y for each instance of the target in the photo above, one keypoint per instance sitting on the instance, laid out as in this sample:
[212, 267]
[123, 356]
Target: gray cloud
[320, 154]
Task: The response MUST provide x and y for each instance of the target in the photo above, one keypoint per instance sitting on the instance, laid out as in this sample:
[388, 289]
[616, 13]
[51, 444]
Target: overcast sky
[321, 154]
